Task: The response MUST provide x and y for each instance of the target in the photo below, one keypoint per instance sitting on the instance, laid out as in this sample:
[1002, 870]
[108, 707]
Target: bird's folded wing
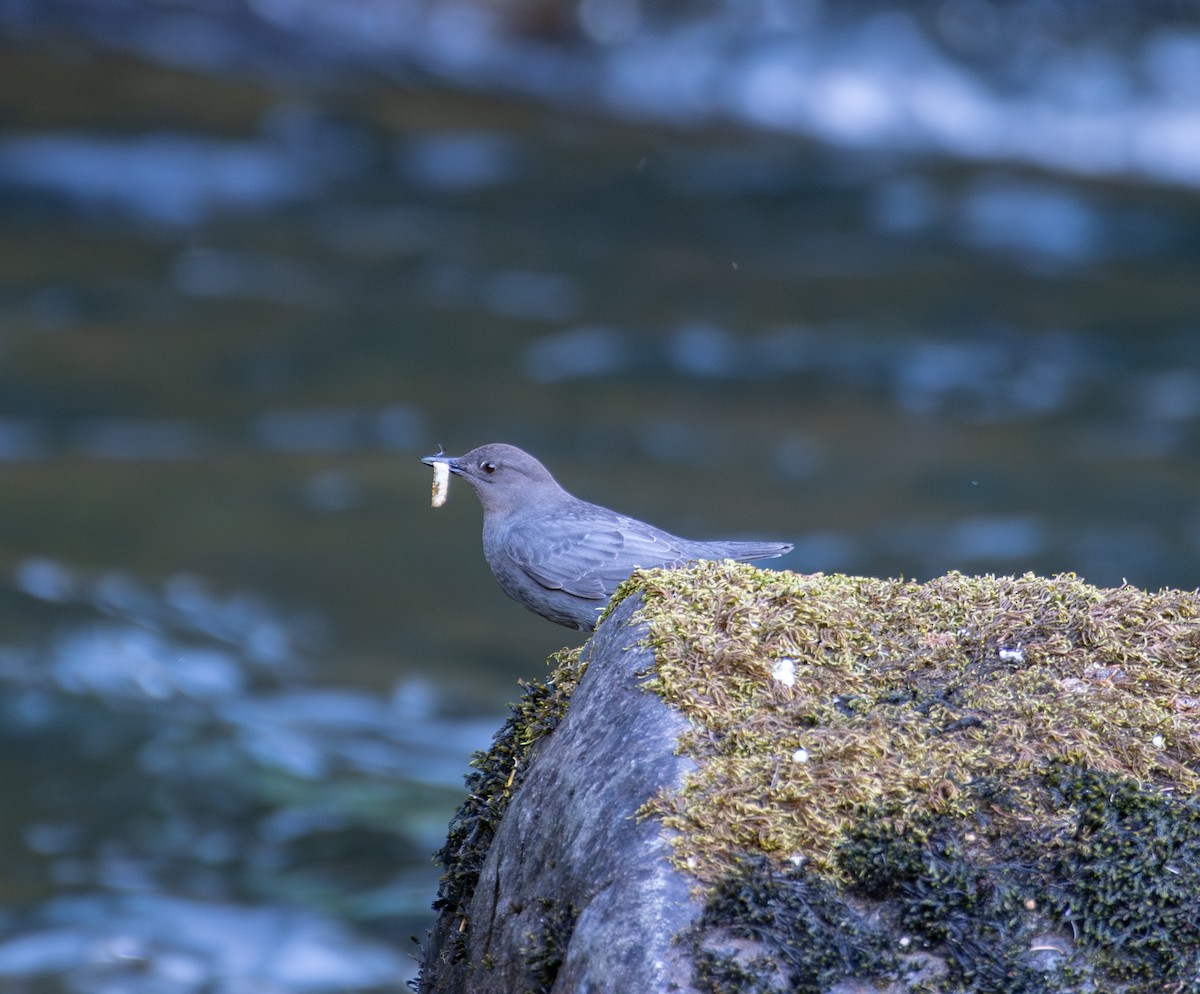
[589, 559]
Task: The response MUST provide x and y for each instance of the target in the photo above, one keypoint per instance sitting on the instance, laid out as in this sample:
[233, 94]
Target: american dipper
[561, 556]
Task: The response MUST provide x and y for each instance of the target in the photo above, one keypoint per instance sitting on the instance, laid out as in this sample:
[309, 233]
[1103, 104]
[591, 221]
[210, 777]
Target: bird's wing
[588, 556]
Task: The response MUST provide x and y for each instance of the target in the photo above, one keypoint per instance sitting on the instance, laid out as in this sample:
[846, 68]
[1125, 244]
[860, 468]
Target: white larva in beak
[441, 483]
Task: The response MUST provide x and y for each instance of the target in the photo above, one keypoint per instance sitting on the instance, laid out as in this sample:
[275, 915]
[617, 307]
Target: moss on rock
[975, 784]
[1003, 767]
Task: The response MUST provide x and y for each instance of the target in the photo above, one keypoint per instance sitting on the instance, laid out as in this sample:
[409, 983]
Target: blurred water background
[915, 286]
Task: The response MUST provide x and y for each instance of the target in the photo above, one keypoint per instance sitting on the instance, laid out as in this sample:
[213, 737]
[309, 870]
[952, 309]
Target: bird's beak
[451, 461]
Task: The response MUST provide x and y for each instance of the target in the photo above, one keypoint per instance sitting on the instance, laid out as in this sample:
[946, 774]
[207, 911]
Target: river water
[917, 292]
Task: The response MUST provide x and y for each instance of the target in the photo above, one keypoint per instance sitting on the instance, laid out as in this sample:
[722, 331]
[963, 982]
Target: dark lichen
[771, 930]
[496, 775]
[940, 890]
[1116, 876]
[544, 950]
[1126, 877]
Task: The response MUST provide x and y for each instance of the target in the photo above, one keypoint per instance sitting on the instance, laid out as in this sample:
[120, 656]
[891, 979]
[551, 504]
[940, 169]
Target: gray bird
[561, 556]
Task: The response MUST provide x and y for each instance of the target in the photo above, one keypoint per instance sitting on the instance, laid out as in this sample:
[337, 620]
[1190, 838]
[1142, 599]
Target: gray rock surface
[577, 894]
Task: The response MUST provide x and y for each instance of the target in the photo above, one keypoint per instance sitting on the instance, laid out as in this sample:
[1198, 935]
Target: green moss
[1002, 766]
[496, 775]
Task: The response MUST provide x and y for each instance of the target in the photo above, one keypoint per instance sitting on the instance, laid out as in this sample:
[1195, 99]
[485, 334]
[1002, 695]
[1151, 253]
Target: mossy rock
[971, 784]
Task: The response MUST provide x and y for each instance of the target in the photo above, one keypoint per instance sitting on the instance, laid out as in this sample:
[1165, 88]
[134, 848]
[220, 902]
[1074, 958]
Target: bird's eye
[487, 466]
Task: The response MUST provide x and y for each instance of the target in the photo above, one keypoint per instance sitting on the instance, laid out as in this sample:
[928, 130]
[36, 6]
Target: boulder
[760, 782]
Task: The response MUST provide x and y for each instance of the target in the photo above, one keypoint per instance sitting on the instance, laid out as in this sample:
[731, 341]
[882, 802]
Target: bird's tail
[745, 551]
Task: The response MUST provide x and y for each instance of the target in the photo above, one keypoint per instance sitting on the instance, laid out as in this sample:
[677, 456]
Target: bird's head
[503, 477]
